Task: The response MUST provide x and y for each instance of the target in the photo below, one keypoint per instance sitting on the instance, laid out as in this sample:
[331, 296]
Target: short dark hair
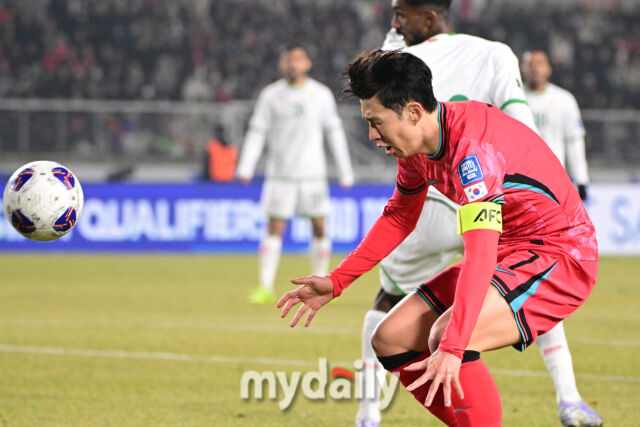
[441, 4]
[394, 77]
[292, 46]
[288, 47]
[535, 48]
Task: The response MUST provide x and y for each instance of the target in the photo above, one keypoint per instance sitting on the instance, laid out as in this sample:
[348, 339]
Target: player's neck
[538, 88]
[442, 28]
[299, 82]
[430, 133]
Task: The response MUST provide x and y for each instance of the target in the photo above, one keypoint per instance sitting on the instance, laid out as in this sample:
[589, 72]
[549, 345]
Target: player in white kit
[463, 67]
[557, 117]
[291, 116]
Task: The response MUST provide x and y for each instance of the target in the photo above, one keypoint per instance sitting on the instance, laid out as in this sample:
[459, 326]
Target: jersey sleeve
[337, 140]
[574, 134]
[507, 90]
[397, 221]
[255, 137]
[522, 113]
[479, 174]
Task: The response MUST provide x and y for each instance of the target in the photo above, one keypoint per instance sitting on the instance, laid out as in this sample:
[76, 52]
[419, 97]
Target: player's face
[295, 64]
[389, 130]
[536, 69]
[409, 22]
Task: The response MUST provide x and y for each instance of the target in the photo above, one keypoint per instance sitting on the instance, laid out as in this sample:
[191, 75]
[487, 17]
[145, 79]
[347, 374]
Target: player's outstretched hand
[315, 292]
[441, 367]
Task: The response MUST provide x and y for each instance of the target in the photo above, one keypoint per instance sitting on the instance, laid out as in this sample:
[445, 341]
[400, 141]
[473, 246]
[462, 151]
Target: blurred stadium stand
[133, 88]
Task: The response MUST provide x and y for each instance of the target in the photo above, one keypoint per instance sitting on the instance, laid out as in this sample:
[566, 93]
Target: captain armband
[479, 216]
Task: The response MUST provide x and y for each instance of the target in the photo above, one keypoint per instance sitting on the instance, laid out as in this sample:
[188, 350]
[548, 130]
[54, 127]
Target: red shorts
[541, 285]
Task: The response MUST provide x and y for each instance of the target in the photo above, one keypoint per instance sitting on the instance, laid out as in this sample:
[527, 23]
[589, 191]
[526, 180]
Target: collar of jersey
[442, 118]
[292, 87]
[541, 92]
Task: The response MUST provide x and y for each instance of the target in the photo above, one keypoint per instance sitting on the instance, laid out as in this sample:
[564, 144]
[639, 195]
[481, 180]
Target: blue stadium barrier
[202, 217]
[226, 218]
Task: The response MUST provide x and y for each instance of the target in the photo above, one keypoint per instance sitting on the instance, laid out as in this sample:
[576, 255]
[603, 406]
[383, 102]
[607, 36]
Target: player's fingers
[457, 386]
[417, 366]
[422, 379]
[303, 308]
[292, 302]
[284, 298]
[310, 317]
[302, 280]
[433, 389]
[446, 390]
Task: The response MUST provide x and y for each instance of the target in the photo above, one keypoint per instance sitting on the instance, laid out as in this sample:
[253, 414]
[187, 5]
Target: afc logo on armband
[489, 215]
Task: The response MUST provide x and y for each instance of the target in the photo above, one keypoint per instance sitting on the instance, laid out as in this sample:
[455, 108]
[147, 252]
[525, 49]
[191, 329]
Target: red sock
[437, 408]
[481, 404]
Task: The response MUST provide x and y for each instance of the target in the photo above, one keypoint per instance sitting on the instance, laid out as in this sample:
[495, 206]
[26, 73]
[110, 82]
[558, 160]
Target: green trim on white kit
[395, 285]
[514, 101]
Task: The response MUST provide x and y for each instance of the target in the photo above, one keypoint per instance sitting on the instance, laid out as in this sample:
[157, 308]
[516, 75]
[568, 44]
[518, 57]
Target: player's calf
[481, 403]
[397, 362]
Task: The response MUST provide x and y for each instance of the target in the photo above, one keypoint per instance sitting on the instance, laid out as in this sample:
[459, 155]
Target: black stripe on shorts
[527, 337]
[526, 261]
[503, 286]
[433, 302]
[521, 289]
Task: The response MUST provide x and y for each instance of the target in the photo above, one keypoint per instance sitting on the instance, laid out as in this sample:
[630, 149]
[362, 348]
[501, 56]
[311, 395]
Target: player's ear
[429, 20]
[415, 111]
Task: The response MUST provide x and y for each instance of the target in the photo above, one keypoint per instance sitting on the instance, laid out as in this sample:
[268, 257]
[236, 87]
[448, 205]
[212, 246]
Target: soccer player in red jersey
[530, 249]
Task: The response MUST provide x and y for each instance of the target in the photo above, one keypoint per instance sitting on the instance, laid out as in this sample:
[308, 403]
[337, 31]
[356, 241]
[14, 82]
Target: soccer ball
[43, 200]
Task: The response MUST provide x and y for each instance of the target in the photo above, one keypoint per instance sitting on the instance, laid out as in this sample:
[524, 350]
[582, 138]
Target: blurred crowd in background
[221, 50]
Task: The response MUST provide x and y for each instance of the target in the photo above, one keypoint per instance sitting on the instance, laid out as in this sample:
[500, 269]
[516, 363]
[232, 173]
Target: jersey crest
[470, 171]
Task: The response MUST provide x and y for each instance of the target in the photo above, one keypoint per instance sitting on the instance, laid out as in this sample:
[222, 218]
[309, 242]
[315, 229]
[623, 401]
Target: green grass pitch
[164, 340]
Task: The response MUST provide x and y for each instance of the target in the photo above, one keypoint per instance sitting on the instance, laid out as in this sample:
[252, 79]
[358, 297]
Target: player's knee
[276, 227]
[317, 226]
[381, 339]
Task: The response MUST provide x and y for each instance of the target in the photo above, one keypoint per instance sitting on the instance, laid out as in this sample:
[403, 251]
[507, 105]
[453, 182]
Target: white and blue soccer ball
[43, 200]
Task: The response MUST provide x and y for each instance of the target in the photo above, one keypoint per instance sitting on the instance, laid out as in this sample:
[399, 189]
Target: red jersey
[483, 155]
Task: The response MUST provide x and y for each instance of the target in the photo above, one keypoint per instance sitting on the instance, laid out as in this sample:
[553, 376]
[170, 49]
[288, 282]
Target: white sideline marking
[122, 354]
[283, 327]
[611, 343]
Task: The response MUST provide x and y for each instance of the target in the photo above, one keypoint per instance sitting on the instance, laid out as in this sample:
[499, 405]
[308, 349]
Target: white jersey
[292, 121]
[426, 251]
[463, 67]
[467, 67]
[557, 117]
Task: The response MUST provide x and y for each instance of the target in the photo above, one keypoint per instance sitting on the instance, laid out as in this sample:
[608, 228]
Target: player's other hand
[244, 180]
[315, 292]
[440, 368]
